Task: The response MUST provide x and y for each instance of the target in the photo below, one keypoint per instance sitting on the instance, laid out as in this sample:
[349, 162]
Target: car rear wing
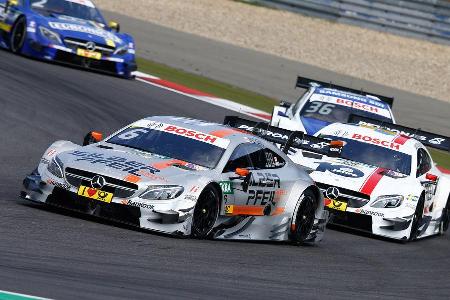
[427, 138]
[285, 138]
[306, 83]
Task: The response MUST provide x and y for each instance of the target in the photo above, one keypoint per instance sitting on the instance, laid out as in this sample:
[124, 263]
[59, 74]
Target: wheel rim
[18, 36]
[205, 214]
[305, 218]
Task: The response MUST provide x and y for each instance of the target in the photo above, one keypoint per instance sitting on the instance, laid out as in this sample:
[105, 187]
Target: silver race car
[183, 177]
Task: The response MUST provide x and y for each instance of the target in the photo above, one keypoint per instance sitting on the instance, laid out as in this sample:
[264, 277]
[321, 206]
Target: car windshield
[80, 9]
[169, 145]
[374, 155]
[334, 113]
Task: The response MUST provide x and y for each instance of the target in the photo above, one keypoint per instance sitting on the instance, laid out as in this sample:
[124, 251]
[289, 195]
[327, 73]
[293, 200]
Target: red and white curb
[180, 89]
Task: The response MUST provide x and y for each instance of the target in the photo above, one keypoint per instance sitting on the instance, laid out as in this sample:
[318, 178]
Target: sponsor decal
[358, 105]
[412, 198]
[45, 161]
[190, 197]
[368, 139]
[63, 186]
[95, 194]
[137, 204]
[194, 189]
[369, 213]
[339, 94]
[84, 29]
[260, 197]
[341, 170]
[114, 162]
[227, 187]
[177, 130]
[336, 205]
[229, 209]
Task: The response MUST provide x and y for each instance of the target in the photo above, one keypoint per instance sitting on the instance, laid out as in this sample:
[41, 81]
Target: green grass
[216, 88]
[441, 158]
[236, 94]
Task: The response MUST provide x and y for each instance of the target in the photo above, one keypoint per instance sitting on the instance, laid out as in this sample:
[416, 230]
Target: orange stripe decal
[132, 178]
[252, 210]
[168, 163]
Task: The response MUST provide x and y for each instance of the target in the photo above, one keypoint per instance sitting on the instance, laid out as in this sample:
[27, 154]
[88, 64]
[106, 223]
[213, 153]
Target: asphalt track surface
[49, 253]
[268, 74]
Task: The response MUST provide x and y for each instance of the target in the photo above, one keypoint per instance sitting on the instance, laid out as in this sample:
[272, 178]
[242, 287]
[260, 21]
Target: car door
[256, 194]
[424, 165]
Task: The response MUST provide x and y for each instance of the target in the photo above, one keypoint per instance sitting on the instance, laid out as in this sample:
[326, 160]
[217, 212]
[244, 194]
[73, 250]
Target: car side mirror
[242, 172]
[13, 2]
[336, 144]
[431, 177]
[92, 138]
[285, 104]
[114, 26]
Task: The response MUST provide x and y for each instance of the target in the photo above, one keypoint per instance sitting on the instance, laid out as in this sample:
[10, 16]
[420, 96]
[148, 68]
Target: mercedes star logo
[97, 182]
[332, 193]
[90, 46]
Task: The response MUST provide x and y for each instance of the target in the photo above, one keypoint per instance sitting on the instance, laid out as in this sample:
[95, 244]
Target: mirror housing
[336, 144]
[12, 2]
[431, 177]
[92, 138]
[114, 26]
[242, 172]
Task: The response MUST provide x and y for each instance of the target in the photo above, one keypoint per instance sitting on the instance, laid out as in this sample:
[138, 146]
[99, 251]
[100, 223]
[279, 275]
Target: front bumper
[162, 218]
[390, 227]
[121, 66]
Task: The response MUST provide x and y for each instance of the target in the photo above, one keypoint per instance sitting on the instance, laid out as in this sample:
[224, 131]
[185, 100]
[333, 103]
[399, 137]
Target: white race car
[384, 182]
[325, 103]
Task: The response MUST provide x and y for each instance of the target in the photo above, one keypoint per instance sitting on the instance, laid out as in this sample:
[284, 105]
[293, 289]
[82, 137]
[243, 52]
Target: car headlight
[388, 201]
[56, 167]
[162, 192]
[121, 50]
[51, 35]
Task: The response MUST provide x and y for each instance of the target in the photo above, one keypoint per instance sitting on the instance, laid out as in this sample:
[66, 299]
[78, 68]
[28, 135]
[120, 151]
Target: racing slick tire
[417, 218]
[445, 219]
[304, 218]
[206, 212]
[18, 35]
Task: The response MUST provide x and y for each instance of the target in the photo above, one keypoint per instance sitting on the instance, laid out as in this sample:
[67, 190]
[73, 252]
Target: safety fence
[425, 19]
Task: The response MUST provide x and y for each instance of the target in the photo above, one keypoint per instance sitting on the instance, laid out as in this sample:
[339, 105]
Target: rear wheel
[206, 212]
[304, 218]
[417, 218]
[18, 34]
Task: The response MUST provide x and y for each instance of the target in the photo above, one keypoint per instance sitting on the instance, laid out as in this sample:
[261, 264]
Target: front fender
[54, 149]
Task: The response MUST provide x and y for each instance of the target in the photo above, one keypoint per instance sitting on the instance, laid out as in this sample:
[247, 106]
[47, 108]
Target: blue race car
[66, 31]
[325, 103]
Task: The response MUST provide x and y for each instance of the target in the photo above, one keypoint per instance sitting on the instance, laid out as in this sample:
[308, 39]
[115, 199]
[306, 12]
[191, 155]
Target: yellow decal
[337, 205]
[228, 209]
[95, 194]
[5, 27]
[89, 54]
[110, 43]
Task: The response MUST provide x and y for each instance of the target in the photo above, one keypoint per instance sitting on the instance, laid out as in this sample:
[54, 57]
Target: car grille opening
[120, 188]
[354, 199]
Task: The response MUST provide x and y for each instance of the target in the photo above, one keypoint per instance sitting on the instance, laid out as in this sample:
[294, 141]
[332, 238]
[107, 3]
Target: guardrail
[424, 19]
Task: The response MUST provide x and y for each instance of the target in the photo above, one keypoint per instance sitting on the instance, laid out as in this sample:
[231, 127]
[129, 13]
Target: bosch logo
[90, 46]
[97, 182]
[332, 193]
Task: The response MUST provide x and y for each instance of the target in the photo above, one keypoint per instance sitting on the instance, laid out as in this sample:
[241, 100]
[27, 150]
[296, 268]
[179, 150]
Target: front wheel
[206, 212]
[417, 218]
[18, 34]
[303, 220]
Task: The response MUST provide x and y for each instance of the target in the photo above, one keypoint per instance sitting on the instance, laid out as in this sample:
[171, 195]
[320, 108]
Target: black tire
[206, 212]
[18, 35]
[304, 219]
[445, 221]
[417, 218]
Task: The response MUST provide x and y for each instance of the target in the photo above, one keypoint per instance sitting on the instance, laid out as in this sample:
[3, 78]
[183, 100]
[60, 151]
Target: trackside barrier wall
[424, 19]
